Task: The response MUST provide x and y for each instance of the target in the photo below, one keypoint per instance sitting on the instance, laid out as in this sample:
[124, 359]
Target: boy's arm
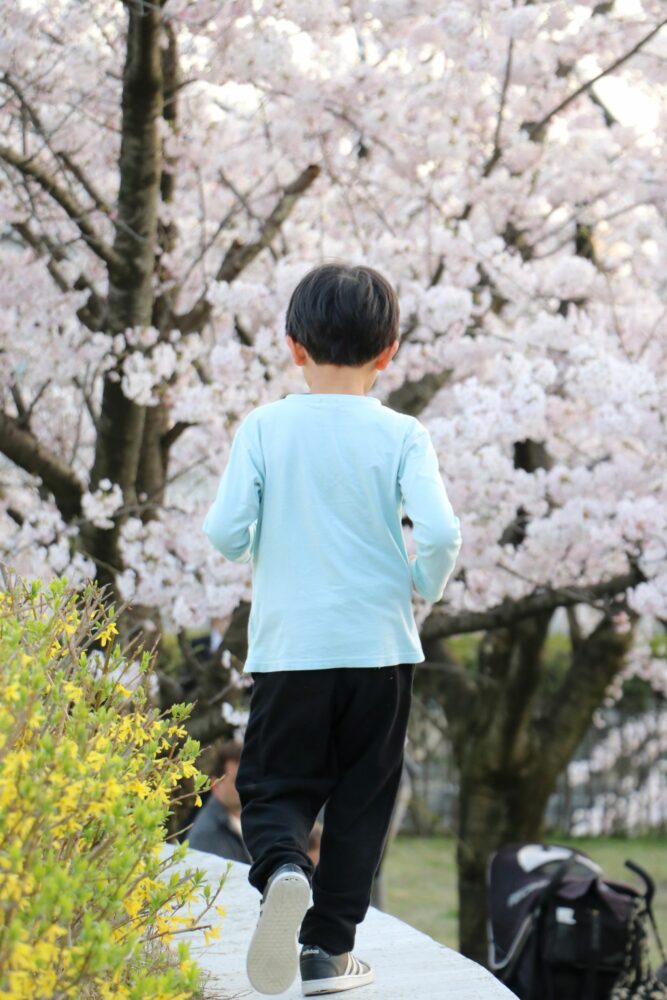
[436, 529]
[232, 519]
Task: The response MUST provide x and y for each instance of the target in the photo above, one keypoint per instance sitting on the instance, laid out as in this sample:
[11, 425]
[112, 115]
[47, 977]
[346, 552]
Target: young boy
[313, 494]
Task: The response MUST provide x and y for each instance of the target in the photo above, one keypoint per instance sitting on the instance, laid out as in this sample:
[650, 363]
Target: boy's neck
[339, 379]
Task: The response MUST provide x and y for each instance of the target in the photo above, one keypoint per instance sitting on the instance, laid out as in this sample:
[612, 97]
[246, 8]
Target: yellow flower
[162, 794]
[12, 692]
[53, 932]
[107, 634]
[178, 730]
[72, 691]
[132, 905]
[211, 934]
[140, 788]
[71, 624]
[54, 648]
[96, 760]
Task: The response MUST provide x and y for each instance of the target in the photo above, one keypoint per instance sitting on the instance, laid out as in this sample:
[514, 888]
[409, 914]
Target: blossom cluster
[529, 282]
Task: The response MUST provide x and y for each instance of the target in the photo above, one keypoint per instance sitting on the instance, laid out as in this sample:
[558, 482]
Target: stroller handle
[649, 884]
[648, 896]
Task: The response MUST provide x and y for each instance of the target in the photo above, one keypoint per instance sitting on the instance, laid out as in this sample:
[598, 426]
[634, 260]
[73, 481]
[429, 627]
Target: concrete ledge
[407, 963]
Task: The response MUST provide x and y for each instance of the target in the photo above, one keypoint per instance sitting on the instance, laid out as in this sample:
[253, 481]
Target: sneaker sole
[273, 955]
[336, 984]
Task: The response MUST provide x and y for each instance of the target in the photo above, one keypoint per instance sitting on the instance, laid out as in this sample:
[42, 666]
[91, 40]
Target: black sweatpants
[333, 736]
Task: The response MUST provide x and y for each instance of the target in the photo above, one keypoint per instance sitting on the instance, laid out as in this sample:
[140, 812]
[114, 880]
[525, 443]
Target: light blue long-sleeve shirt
[313, 493]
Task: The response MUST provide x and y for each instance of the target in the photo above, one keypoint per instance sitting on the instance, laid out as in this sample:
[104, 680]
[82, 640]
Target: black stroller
[558, 930]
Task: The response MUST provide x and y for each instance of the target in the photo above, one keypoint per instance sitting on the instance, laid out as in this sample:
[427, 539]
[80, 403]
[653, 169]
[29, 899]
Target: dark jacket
[211, 832]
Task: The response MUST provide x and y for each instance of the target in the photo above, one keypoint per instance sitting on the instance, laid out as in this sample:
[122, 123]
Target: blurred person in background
[217, 825]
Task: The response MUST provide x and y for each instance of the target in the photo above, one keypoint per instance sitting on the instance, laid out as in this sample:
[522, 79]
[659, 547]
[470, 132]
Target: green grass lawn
[420, 879]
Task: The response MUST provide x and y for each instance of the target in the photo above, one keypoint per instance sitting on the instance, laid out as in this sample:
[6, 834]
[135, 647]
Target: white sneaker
[273, 955]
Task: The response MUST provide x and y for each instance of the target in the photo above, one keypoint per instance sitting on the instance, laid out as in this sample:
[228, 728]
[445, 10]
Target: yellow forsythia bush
[87, 906]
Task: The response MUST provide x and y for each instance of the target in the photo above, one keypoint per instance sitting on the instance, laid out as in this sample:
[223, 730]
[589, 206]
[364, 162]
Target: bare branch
[536, 127]
[222, 225]
[238, 194]
[240, 255]
[173, 434]
[21, 408]
[85, 182]
[25, 413]
[92, 313]
[40, 247]
[88, 400]
[60, 155]
[497, 152]
[27, 167]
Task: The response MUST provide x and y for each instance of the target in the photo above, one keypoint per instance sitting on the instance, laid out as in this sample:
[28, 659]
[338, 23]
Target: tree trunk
[492, 812]
[512, 751]
[130, 303]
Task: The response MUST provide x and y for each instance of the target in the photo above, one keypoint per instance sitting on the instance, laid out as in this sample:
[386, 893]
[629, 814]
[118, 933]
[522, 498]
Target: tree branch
[23, 448]
[28, 238]
[497, 152]
[595, 661]
[441, 624]
[535, 128]
[512, 716]
[174, 432]
[29, 168]
[459, 686]
[413, 397]
[64, 158]
[240, 255]
[25, 412]
[92, 313]
[88, 400]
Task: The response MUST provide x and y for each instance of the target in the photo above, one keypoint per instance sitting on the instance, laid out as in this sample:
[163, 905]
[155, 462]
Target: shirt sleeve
[436, 528]
[231, 522]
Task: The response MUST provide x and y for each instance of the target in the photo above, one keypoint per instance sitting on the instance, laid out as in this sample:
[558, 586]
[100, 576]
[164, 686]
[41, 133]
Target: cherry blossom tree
[170, 169]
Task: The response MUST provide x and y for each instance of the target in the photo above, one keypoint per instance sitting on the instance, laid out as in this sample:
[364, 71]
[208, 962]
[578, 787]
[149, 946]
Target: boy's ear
[383, 359]
[296, 350]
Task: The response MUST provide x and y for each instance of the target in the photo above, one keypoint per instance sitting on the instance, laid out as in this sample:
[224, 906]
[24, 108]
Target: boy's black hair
[343, 315]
